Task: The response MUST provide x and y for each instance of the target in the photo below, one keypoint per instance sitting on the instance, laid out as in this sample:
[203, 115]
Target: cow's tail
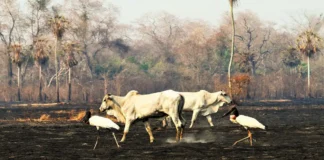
[180, 109]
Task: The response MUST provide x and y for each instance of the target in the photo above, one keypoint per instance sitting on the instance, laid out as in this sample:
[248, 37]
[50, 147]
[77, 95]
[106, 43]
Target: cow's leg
[126, 129]
[164, 122]
[181, 132]
[149, 130]
[183, 124]
[194, 117]
[210, 120]
[177, 125]
[178, 134]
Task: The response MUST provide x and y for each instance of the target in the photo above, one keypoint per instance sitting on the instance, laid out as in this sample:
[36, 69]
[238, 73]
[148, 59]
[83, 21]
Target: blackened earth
[296, 131]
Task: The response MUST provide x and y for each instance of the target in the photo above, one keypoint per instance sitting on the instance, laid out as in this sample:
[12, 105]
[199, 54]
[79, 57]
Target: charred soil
[296, 131]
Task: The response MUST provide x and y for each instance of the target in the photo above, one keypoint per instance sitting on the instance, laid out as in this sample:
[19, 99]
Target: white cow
[205, 102]
[134, 107]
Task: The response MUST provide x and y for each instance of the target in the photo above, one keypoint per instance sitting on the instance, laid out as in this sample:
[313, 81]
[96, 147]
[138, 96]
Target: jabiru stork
[245, 121]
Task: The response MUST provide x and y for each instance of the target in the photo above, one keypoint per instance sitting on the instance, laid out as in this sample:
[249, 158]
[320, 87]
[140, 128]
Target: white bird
[100, 122]
[245, 121]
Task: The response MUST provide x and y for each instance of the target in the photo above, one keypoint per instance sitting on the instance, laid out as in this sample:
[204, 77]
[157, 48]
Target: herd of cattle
[135, 107]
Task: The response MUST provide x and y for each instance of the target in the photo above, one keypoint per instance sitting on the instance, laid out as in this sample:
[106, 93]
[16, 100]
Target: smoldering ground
[295, 132]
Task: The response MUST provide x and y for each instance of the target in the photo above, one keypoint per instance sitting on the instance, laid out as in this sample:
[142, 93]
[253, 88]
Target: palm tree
[18, 59]
[308, 43]
[58, 26]
[70, 48]
[232, 3]
[41, 57]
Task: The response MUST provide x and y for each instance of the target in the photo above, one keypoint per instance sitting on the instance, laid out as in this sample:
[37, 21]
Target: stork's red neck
[233, 118]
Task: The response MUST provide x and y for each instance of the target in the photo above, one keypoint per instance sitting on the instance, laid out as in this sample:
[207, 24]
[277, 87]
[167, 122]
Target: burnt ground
[296, 131]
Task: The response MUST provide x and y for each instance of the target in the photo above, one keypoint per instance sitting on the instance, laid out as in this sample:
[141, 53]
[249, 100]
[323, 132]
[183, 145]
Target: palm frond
[308, 42]
[233, 2]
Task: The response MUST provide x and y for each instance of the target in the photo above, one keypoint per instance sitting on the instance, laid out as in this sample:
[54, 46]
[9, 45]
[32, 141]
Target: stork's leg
[149, 130]
[210, 120]
[249, 136]
[194, 117]
[241, 140]
[98, 136]
[115, 139]
[126, 129]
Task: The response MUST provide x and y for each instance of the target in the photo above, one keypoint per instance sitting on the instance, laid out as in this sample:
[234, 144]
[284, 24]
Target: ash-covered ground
[296, 131]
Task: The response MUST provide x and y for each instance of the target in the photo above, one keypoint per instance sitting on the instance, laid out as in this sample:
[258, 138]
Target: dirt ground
[296, 131]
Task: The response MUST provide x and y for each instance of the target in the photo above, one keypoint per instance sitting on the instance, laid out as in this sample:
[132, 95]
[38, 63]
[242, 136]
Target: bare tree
[163, 30]
[58, 26]
[10, 18]
[254, 42]
[195, 54]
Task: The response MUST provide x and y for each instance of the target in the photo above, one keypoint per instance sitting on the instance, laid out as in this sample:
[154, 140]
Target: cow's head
[223, 97]
[107, 103]
[112, 105]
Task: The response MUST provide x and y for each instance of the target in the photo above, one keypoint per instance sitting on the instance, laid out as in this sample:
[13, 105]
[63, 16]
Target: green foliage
[132, 59]
[290, 58]
[223, 57]
[144, 66]
[302, 69]
[110, 69]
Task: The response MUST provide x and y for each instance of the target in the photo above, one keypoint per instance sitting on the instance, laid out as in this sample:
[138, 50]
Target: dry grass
[59, 115]
[23, 119]
[44, 117]
[78, 116]
[61, 111]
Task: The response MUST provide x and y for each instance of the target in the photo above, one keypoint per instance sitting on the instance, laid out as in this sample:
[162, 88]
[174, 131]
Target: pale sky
[278, 11]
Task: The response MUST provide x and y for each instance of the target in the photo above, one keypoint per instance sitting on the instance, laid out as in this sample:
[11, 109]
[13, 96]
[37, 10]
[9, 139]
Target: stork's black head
[86, 118]
[233, 111]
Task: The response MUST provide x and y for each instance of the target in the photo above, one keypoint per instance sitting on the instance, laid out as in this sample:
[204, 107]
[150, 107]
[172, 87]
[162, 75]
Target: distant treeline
[97, 54]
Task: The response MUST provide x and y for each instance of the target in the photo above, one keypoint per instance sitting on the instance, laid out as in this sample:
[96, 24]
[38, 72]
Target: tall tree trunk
[308, 78]
[9, 70]
[106, 85]
[40, 97]
[232, 51]
[18, 80]
[253, 68]
[56, 73]
[70, 86]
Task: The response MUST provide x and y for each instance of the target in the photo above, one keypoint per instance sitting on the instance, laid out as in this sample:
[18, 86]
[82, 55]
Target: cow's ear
[109, 94]
[110, 97]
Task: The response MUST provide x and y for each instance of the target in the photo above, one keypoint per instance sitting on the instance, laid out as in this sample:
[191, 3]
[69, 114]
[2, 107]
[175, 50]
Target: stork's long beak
[229, 112]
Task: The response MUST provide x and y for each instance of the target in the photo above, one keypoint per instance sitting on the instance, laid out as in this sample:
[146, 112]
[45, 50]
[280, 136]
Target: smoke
[203, 137]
